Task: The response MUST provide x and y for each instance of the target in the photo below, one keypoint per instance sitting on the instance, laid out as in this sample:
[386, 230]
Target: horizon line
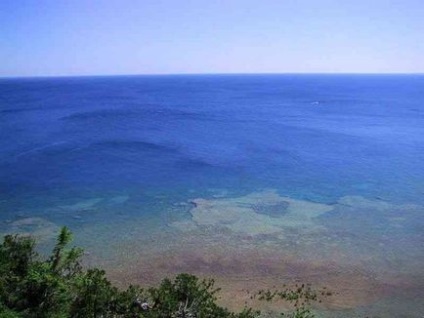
[207, 74]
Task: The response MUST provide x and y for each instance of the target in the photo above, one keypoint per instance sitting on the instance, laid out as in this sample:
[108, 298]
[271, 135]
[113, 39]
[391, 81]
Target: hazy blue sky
[82, 37]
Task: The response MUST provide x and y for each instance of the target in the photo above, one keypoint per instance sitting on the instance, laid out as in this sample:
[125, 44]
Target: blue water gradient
[311, 136]
[144, 144]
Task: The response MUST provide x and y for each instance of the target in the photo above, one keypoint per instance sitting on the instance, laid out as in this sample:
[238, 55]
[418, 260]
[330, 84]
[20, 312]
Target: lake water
[257, 180]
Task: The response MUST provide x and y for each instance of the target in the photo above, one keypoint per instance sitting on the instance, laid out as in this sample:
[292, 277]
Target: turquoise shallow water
[324, 171]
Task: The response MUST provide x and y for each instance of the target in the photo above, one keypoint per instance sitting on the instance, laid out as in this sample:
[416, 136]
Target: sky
[93, 37]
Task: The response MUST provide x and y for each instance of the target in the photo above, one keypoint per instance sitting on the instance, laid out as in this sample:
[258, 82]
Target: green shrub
[58, 287]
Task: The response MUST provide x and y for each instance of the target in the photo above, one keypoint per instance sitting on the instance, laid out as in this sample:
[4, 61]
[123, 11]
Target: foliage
[300, 296]
[58, 287]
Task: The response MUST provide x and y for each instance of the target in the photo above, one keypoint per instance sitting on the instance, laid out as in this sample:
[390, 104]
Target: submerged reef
[258, 213]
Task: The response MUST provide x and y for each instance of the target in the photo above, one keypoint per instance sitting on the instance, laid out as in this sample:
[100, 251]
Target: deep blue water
[313, 136]
[64, 141]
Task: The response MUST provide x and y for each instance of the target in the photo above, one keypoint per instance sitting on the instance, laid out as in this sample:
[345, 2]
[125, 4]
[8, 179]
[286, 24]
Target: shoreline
[292, 241]
[351, 289]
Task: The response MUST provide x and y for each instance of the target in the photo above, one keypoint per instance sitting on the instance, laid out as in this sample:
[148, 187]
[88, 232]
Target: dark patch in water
[273, 210]
[103, 113]
[134, 145]
[141, 112]
[8, 111]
